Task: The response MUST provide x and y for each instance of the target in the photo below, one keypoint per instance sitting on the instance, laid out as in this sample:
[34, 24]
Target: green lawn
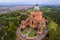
[23, 32]
[31, 35]
[28, 28]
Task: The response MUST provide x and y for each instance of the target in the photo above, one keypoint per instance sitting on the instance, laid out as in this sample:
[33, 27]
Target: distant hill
[12, 7]
[4, 9]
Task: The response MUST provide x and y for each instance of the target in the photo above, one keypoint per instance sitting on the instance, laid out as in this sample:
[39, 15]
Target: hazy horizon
[24, 4]
[18, 2]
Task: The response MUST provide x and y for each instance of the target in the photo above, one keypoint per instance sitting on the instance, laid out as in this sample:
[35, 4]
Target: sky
[31, 1]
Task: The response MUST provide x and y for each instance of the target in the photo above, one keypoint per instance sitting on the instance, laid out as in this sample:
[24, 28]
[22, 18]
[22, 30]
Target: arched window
[33, 16]
[38, 23]
[32, 22]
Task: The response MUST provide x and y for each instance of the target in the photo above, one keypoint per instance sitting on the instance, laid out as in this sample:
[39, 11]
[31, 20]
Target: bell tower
[36, 8]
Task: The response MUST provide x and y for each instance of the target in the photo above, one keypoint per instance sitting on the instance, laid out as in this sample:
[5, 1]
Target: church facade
[35, 20]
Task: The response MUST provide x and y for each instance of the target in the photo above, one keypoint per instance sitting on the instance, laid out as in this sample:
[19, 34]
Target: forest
[10, 21]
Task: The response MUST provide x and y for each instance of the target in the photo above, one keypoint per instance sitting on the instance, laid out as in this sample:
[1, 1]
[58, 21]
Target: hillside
[10, 21]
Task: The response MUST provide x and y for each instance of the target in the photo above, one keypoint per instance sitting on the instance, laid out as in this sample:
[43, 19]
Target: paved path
[39, 37]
